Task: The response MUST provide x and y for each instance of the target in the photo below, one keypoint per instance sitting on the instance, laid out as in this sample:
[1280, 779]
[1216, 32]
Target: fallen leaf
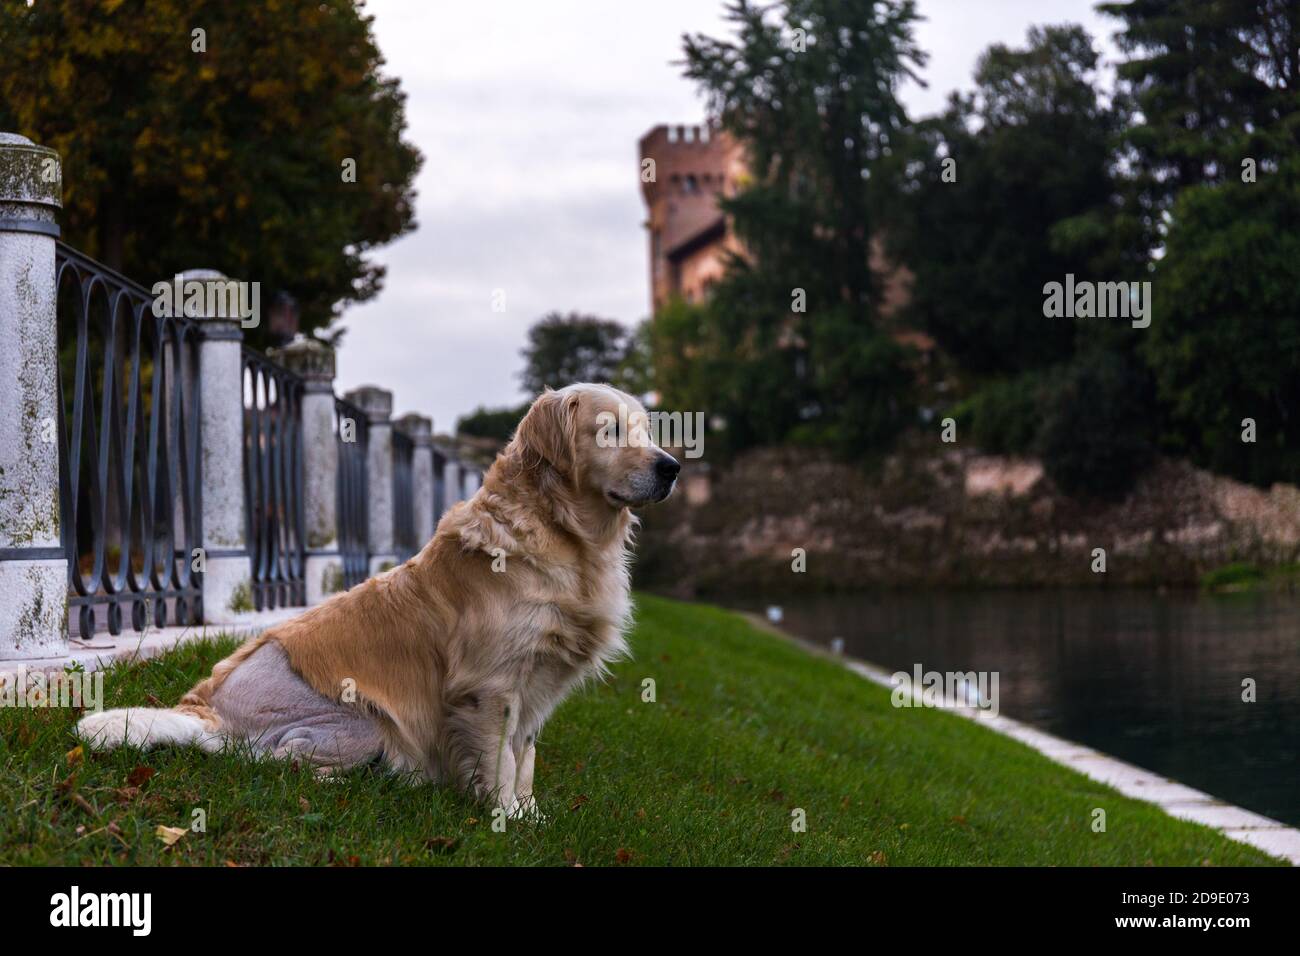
[302, 802]
[155, 702]
[579, 800]
[75, 755]
[878, 858]
[169, 835]
[624, 855]
[140, 776]
[441, 844]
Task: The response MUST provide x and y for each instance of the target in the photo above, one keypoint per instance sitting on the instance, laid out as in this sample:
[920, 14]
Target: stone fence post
[377, 404]
[453, 481]
[227, 574]
[420, 430]
[33, 566]
[314, 362]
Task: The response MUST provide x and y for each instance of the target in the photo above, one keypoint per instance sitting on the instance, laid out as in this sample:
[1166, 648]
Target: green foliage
[746, 726]
[563, 349]
[981, 246]
[1225, 340]
[229, 159]
[1005, 416]
[1214, 83]
[808, 88]
[1242, 577]
[496, 423]
[1095, 439]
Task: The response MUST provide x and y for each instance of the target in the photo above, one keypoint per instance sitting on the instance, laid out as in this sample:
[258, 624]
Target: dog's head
[597, 439]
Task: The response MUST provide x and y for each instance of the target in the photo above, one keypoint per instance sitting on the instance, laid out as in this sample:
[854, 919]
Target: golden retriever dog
[448, 665]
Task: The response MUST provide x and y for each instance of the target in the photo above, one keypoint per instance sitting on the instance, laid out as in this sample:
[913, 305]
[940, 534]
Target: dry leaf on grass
[140, 776]
[169, 835]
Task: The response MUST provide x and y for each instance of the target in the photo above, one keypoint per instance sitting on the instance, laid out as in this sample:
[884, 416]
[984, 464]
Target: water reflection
[1154, 680]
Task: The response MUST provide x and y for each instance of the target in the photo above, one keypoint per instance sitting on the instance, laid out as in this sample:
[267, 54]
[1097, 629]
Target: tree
[979, 199]
[1095, 438]
[1225, 341]
[807, 87]
[563, 349]
[1215, 83]
[1213, 178]
[225, 148]
[496, 423]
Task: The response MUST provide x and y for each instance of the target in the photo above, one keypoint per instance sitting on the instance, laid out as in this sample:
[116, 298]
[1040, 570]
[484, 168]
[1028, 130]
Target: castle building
[691, 168]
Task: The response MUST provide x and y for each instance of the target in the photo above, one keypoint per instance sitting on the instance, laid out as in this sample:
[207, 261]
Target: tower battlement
[691, 166]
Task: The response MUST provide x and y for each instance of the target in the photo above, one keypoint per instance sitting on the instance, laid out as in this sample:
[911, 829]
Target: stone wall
[941, 517]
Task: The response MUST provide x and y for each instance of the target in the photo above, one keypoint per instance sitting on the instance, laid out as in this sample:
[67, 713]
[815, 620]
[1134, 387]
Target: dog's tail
[146, 727]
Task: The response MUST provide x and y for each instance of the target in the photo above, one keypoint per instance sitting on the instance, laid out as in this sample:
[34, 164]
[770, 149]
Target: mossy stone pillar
[377, 404]
[227, 584]
[314, 362]
[419, 429]
[33, 566]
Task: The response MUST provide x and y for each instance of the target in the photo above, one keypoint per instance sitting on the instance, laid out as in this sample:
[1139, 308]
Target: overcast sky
[528, 114]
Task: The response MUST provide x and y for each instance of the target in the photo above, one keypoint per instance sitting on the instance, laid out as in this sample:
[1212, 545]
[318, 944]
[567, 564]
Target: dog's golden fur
[460, 654]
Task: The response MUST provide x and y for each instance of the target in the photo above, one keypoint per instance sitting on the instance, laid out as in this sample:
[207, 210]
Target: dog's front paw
[526, 808]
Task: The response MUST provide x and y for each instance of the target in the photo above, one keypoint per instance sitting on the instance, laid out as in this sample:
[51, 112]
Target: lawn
[745, 731]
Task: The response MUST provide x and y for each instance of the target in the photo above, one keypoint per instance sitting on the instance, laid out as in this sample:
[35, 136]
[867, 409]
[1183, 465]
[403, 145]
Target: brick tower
[688, 234]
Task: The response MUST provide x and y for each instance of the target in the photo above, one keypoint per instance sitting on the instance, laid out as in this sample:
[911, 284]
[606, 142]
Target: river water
[1156, 680]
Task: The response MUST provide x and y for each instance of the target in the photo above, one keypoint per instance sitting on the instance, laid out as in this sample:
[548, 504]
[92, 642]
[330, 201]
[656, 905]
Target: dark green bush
[1004, 417]
[1096, 437]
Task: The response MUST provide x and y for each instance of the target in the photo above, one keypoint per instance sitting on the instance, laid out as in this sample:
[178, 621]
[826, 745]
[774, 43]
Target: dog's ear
[548, 433]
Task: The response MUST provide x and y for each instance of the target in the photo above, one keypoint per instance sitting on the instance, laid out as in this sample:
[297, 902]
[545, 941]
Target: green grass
[745, 729]
[1245, 577]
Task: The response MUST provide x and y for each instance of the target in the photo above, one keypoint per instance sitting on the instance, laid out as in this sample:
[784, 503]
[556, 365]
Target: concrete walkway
[105, 649]
[1176, 799]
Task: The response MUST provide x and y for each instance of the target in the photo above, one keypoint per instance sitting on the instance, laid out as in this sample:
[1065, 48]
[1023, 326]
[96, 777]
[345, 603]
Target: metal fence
[439, 485]
[273, 482]
[128, 434]
[352, 511]
[405, 541]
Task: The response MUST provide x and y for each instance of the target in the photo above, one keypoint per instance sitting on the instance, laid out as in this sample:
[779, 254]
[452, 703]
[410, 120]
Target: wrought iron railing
[405, 539]
[352, 513]
[128, 434]
[273, 482]
[439, 485]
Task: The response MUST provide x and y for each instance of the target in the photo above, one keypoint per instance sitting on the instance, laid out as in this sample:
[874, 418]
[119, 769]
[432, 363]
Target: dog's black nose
[667, 467]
